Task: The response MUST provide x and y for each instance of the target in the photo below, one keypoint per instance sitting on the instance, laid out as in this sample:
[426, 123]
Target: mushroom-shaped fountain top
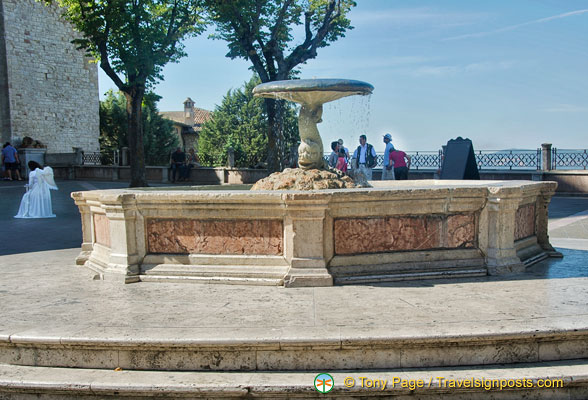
[312, 92]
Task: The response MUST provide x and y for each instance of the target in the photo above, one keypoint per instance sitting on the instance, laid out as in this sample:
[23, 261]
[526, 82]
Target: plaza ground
[45, 296]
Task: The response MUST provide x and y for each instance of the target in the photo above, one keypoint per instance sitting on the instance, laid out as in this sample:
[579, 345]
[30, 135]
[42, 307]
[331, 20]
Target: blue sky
[506, 74]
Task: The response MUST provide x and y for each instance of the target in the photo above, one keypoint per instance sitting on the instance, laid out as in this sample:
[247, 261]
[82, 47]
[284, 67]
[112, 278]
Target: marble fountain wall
[393, 231]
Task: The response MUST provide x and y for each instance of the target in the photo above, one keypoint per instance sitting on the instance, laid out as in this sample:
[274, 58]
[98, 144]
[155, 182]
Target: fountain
[394, 230]
[313, 172]
[312, 94]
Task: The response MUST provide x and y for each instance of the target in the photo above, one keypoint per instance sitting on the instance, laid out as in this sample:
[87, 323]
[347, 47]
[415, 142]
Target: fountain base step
[411, 276]
[408, 270]
[562, 379]
[227, 274]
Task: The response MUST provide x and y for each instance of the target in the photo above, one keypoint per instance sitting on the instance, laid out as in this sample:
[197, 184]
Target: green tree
[263, 32]
[133, 40]
[159, 134]
[240, 122]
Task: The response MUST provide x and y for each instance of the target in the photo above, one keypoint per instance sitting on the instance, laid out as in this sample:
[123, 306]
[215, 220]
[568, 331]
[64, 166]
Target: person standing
[334, 154]
[178, 158]
[344, 148]
[387, 171]
[400, 165]
[342, 161]
[365, 157]
[10, 161]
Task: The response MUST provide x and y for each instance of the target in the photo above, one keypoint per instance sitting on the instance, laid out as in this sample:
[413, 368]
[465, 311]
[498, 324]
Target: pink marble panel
[102, 229]
[461, 231]
[525, 221]
[374, 235]
[193, 236]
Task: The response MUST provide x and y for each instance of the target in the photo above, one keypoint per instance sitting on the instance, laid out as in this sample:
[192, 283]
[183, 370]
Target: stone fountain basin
[393, 231]
[312, 91]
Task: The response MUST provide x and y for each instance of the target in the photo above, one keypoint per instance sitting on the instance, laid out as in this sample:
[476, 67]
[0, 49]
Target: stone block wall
[52, 88]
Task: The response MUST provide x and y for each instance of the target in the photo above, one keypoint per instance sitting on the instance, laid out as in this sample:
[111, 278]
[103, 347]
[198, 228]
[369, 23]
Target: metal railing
[500, 159]
[569, 159]
[511, 159]
[486, 159]
[97, 158]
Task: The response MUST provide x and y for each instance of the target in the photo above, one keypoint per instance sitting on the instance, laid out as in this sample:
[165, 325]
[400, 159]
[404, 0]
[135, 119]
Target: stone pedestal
[30, 154]
[305, 245]
[501, 255]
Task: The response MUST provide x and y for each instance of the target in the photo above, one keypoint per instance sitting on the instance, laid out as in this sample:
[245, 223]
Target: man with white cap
[387, 168]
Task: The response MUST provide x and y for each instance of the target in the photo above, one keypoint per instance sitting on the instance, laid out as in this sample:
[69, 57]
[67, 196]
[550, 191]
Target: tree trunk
[275, 135]
[135, 136]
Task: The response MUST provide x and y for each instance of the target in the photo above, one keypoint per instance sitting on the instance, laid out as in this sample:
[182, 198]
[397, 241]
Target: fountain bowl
[312, 91]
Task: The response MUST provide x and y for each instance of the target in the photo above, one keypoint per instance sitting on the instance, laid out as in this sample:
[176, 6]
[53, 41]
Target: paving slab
[46, 296]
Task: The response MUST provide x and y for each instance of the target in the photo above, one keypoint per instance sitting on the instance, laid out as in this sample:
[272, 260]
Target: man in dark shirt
[178, 159]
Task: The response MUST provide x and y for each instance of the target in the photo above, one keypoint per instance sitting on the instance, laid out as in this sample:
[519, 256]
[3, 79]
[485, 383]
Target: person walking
[10, 161]
[387, 171]
[365, 157]
[401, 167]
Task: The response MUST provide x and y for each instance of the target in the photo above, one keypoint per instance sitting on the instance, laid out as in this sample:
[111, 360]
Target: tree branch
[307, 49]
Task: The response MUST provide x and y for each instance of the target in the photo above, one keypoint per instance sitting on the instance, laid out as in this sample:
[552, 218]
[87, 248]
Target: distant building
[188, 123]
[48, 88]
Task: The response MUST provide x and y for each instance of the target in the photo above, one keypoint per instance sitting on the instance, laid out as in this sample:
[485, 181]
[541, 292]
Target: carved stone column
[501, 255]
[541, 224]
[87, 241]
[304, 246]
[125, 251]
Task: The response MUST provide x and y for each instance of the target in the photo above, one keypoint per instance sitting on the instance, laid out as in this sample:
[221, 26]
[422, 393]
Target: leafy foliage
[133, 40]
[263, 32]
[240, 122]
[159, 133]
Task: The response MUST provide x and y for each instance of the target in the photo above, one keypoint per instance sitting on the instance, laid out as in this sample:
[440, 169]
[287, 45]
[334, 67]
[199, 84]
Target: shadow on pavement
[39, 234]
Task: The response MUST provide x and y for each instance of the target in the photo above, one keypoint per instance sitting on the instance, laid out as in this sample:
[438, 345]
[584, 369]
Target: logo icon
[324, 383]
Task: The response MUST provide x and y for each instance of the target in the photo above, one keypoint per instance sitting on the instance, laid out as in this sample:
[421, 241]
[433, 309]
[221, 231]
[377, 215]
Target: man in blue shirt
[388, 168]
[10, 161]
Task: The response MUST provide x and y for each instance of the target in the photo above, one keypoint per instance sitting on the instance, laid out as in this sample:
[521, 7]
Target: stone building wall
[51, 88]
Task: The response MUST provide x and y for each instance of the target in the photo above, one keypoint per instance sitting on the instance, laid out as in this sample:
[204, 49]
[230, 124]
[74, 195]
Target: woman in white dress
[36, 202]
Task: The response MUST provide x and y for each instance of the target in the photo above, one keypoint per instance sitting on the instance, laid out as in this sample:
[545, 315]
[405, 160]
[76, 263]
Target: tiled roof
[200, 116]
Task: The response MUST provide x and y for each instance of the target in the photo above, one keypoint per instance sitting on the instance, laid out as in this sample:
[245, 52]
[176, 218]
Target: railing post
[231, 158]
[124, 156]
[546, 156]
[79, 156]
[538, 159]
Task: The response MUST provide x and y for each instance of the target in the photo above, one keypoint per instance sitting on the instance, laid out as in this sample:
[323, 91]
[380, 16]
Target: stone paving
[43, 290]
[46, 298]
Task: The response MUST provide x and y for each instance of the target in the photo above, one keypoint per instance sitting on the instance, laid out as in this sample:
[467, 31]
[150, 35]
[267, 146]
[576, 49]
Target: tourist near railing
[500, 159]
